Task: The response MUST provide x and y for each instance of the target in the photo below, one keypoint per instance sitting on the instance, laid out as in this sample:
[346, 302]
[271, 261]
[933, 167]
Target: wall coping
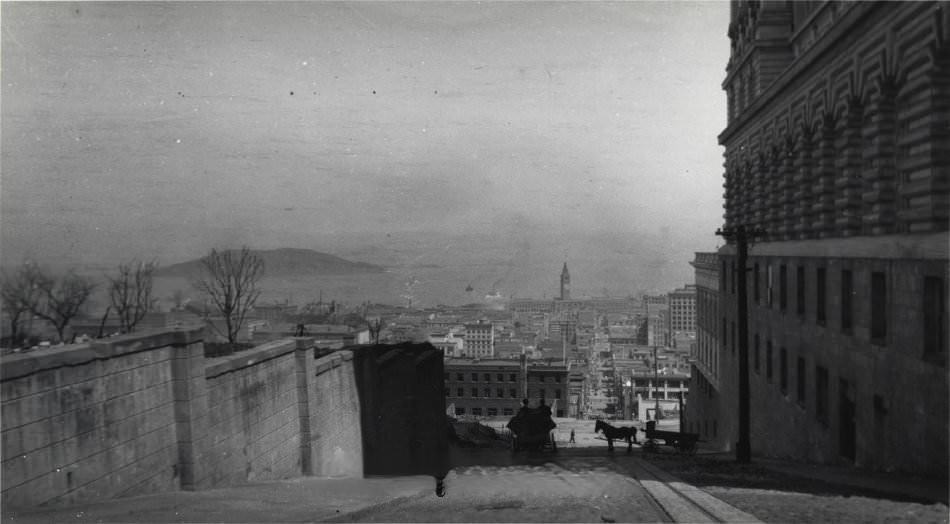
[332, 360]
[220, 365]
[22, 364]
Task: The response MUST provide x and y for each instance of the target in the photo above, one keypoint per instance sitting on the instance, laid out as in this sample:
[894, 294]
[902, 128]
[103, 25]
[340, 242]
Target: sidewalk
[904, 486]
[305, 499]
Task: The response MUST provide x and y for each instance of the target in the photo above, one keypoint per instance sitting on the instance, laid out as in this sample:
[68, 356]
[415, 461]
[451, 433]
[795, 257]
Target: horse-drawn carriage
[532, 428]
[682, 442]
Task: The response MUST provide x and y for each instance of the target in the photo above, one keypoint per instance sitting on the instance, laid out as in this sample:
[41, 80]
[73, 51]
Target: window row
[500, 377]
[499, 393]
[772, 292]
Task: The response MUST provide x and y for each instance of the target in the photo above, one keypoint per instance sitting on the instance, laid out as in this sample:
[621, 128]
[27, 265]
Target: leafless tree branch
[130, 292]
[229, 279]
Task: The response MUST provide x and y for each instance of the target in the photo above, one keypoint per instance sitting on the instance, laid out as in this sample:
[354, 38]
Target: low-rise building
[495, 387]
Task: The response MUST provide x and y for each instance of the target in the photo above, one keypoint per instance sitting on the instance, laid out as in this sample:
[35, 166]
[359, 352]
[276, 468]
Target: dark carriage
[682, 442]
[532, 428]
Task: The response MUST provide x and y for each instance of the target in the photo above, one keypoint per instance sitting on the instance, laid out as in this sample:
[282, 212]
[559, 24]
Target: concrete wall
[253, 426]
[91, 421]
[147, 413]
[335, 433]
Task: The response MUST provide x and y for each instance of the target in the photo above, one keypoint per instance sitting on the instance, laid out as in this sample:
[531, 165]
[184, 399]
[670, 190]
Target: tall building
[479, 340]
[837, 148]
[565, 283]
[702, 410]
[683, 309]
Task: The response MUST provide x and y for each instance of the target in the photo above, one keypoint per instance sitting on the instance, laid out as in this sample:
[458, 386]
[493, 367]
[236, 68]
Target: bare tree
[375, 326]
[20, 295]
[230, 279]
[61, 299]
[130, 292]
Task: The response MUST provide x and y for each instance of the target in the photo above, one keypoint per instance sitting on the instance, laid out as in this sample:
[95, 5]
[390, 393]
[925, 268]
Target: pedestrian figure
[572, 441]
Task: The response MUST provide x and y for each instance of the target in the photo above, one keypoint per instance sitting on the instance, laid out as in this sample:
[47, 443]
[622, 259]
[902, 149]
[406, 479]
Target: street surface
[572, 485]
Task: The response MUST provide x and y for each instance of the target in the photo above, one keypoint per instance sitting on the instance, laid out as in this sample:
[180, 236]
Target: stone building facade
[495, 388]
[702, 411]
[838, 153]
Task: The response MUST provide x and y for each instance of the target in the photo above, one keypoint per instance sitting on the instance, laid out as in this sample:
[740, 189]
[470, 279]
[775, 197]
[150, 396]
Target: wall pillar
[305, 375]
[190, 393]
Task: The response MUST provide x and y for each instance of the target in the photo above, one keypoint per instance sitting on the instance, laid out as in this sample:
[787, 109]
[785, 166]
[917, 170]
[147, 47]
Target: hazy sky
[132, 128]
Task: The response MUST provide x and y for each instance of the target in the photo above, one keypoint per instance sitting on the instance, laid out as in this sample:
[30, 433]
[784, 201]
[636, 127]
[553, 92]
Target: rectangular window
[733, 337]
[821, 295]
[732, 268]
[821, 394]
[725, 336]
[460, 392]
[800, 383]
[474, 377]
[541, 393]
[557, 394]
[501, 377]
[755, 282]
[446, 391]
[512, 378]
[477, 412]
[723, 277]
[492, 412]
[878, 306]
[557, 379]
[486, 393]
[768, 360]
[460, 376]
[783, 287]
[474, 392]
[486, 377]
[755, 354]
[513, 393]
[508, 412]
[935, 320]
[800, 290]
[783, 370]
[500, 393]
[847, 292]
[459, 411]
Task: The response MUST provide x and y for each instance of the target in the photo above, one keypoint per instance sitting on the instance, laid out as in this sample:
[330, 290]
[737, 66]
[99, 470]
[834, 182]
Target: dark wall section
[402, 406]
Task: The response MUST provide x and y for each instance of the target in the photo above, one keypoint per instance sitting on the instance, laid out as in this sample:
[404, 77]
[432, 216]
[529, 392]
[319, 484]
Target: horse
[612, 433]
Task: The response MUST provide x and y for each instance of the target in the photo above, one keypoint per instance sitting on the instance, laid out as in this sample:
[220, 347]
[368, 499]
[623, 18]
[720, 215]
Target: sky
[155, 129]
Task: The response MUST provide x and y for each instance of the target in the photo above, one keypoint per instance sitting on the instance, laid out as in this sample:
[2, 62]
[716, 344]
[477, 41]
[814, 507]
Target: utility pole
[741, 236]
[656, 387]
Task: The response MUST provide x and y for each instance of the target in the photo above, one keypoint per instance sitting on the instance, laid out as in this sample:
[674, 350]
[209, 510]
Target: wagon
[532, 428]
[680, 441]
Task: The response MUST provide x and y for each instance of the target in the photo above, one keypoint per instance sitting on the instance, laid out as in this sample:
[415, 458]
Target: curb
[685, 502]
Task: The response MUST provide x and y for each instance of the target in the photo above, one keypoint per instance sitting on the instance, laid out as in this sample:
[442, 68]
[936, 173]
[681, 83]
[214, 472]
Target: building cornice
[930, 246]
[795, 73]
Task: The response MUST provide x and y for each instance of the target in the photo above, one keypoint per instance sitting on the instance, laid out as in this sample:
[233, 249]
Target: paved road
[570, 486]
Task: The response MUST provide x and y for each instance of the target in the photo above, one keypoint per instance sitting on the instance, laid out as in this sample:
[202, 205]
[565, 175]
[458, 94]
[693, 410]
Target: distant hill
[284, 262]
